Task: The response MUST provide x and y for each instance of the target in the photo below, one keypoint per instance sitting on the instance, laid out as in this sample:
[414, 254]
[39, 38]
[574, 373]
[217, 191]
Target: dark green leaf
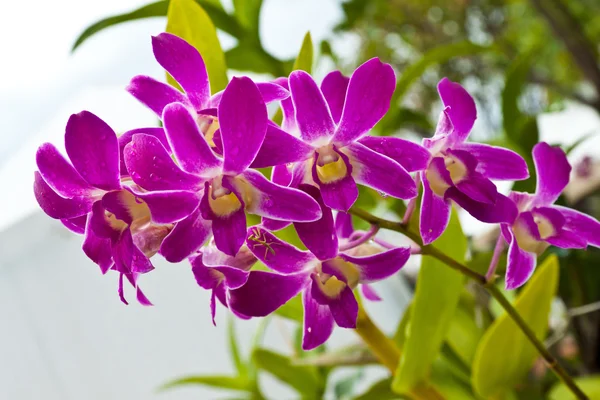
[512, 118]
[224, 382]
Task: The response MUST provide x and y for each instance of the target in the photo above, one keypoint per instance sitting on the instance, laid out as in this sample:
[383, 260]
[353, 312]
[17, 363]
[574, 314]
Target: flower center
[527, 241]
[222, 201]
[456, 169]
[208, 125]
[330, 165]
[544, 225]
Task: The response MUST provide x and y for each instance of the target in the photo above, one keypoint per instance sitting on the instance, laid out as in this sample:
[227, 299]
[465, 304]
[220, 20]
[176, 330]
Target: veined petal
[125, 139]
[435, 214]
[56, 206]
[243, 123]
[343, 225]
[279, 147]
[152, 168]
[97, 249]
[504, 210]
[369, 293]
[584, 225]
[520, 265]
[187, 236]
[318, 322]
[380, 172]
[312, 113]
[185, 64]
[168, 206]
[93, 149]
[59, 174]
[553, 170]
[497, 162]
[334, 88]
[379, 266]
[154, 94]
[345, 309]
[265, 292]
[412, 156]
[460, 108]
[276, 254]
[75, 225]
[339, 194]
[189, 146]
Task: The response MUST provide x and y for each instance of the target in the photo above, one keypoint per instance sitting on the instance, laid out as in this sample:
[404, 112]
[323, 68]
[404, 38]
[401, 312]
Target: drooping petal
[125, 139]
[152, 168]
[318, 322]
[97, 249]
[186, 237]
[343, 225]
[553, 170]
[75, 225]
[168, 206]
[504, 210]
[380, 172]
[128, 258]
[185, 64]
[334, 88]
[339, 194]
[497, 162]
[276, 254]
[209, 277]
[478, 187]
[369, 292]
[189, 146]
[584, 225]
[56, 206]
[520, 265]
[243, 123]
[460, 109]
[412, 156]
[93, 149]
[435, 214]
[155, 94]
[312, 113]
[279, 147]
[265, 292]
[367, 100]
[379, 266]
[345, 309]
[59, 174]
[279, 202]
[318, 236]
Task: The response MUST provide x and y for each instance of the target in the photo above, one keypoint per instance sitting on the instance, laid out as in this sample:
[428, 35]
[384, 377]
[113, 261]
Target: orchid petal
[369, 292]
[345, 309]
[566, 239]
[412, 156]
[478, 187]
[230, 231]
[128, 258]
[209, 277]
[343, 225]
[318, 322]
[154, 94]
[279, 147]
[169, 206]
[340, 194]
[520, 265]
[334, 88]
[504, 210]
[56, 206]
[553, 170]
[125, 139]
[460, 109]
[435, 214]
[98, 249]
[584, 225]
[379, 266]
[125, 206]
[59, 174]
[269, 91]
[289, 112]
[187, 236]
[497, 162]
[75, 225]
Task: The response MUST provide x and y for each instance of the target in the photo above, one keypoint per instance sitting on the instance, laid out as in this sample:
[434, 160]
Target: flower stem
[382, 347]
[487, 284]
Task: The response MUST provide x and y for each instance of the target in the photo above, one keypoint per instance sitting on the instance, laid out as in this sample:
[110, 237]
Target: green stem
[382, 346]
[487, 284]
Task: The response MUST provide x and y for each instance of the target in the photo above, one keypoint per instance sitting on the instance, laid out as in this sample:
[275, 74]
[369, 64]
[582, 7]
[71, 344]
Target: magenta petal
[58, 207]
[289, 112]
[340, 194]
[154, 94]
[265, 292]
[318, 322]
[186, 237]
[566, 239]
[334, 88]
[380, 172]
[478, 187]
[343, 225]
[59, 174]
[553, 170]
[152, 168]
[276, 254]
[279, 147]
[497, 162]
[412, 156]
[271, 92]
[460, 108]
[243, 123]
[75, 225]
[504, 210]
[101, 225]
[230, 231]
[209, 277]
[189, 146]
[93, 149]
[381, 265]
[318, 236]
[369, 292]
[368, 98]
[97, 249]
[435, 214]
[520, 265]
[312, 113]
[128, 258]
[279, 202]
[280, 175]
[125, 139]
[169, 206]
[185, 64]
[584, 225]
[345, 309]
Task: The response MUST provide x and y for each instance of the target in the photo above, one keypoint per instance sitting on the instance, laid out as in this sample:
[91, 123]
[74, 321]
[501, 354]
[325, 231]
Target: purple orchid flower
[328, 153]
[540, 223]
[224, 188]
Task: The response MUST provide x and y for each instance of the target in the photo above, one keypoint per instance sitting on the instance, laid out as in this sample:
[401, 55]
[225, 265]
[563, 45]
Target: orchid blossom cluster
[184, 190]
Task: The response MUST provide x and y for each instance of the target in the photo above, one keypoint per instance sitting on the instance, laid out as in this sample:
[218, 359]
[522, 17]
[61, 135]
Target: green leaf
[292, 310]
[381, 390]
[400, 335]
[516, 78]
[433, 308]
[224, 382]
[345, 387]
[248, 14]
[304, 379]
[248, 57]
[234, 350]
[188, 20]
[464, 335]
[304, 60]
[504, 355]
[589, 384]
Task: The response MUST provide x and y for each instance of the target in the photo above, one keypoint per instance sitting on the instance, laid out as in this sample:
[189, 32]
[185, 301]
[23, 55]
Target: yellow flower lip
[330, 165]
[221, 200]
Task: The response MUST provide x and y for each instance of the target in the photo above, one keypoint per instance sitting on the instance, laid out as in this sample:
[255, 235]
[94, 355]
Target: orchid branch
[430, 250]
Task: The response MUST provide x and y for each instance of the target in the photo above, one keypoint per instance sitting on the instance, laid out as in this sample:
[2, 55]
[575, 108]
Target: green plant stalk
[382, 346]
[551, 361]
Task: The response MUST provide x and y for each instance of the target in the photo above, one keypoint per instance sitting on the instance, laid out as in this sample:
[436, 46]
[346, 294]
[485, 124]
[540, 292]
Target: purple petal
[125, 206]
[279, 202]
[243, 123]
[369, 292]
[102, 225]
[379, 266]
[210, 277]
[553, 172]
[59, 174]
[312, 113]
[97, 249]
[478, 187]
[128, 258]
[75, 225]
[334, 88]
[185, 64]
[93, 149]
[520, 265]
[276, 254]
[368, 98]
[318, 322]
[279, 147]
[213, 257]
[125, 139]
[497, 162]
[435, 214]
[566, 239]
[189, 146]
[186, 237]
[154, 94]
[461, 108]
[58, 207]
[271, 92]
[230, 231]
[318, 236]
[551, 215]
[380, 172]
[584, 225]
[152, 168]
[412, 156]
[504, 210]
[343, 225]
[340, 194]
[265, 292]
[169, 206]
[281, 175]
[289, 112]
[345, 309]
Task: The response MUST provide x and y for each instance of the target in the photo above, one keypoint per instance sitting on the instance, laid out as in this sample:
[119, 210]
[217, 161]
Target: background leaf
[234, 350]
[464, 335]
[304, 60]
[590, 386]
[224, 382]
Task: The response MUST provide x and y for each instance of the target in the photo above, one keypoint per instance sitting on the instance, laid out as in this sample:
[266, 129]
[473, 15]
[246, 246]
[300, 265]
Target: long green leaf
[304, 61]
[464, 335]
[381, 390]
[504, 355]
[224, 382]
[590, 386]
[434, 305]
[234, 350]
[188, 20]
